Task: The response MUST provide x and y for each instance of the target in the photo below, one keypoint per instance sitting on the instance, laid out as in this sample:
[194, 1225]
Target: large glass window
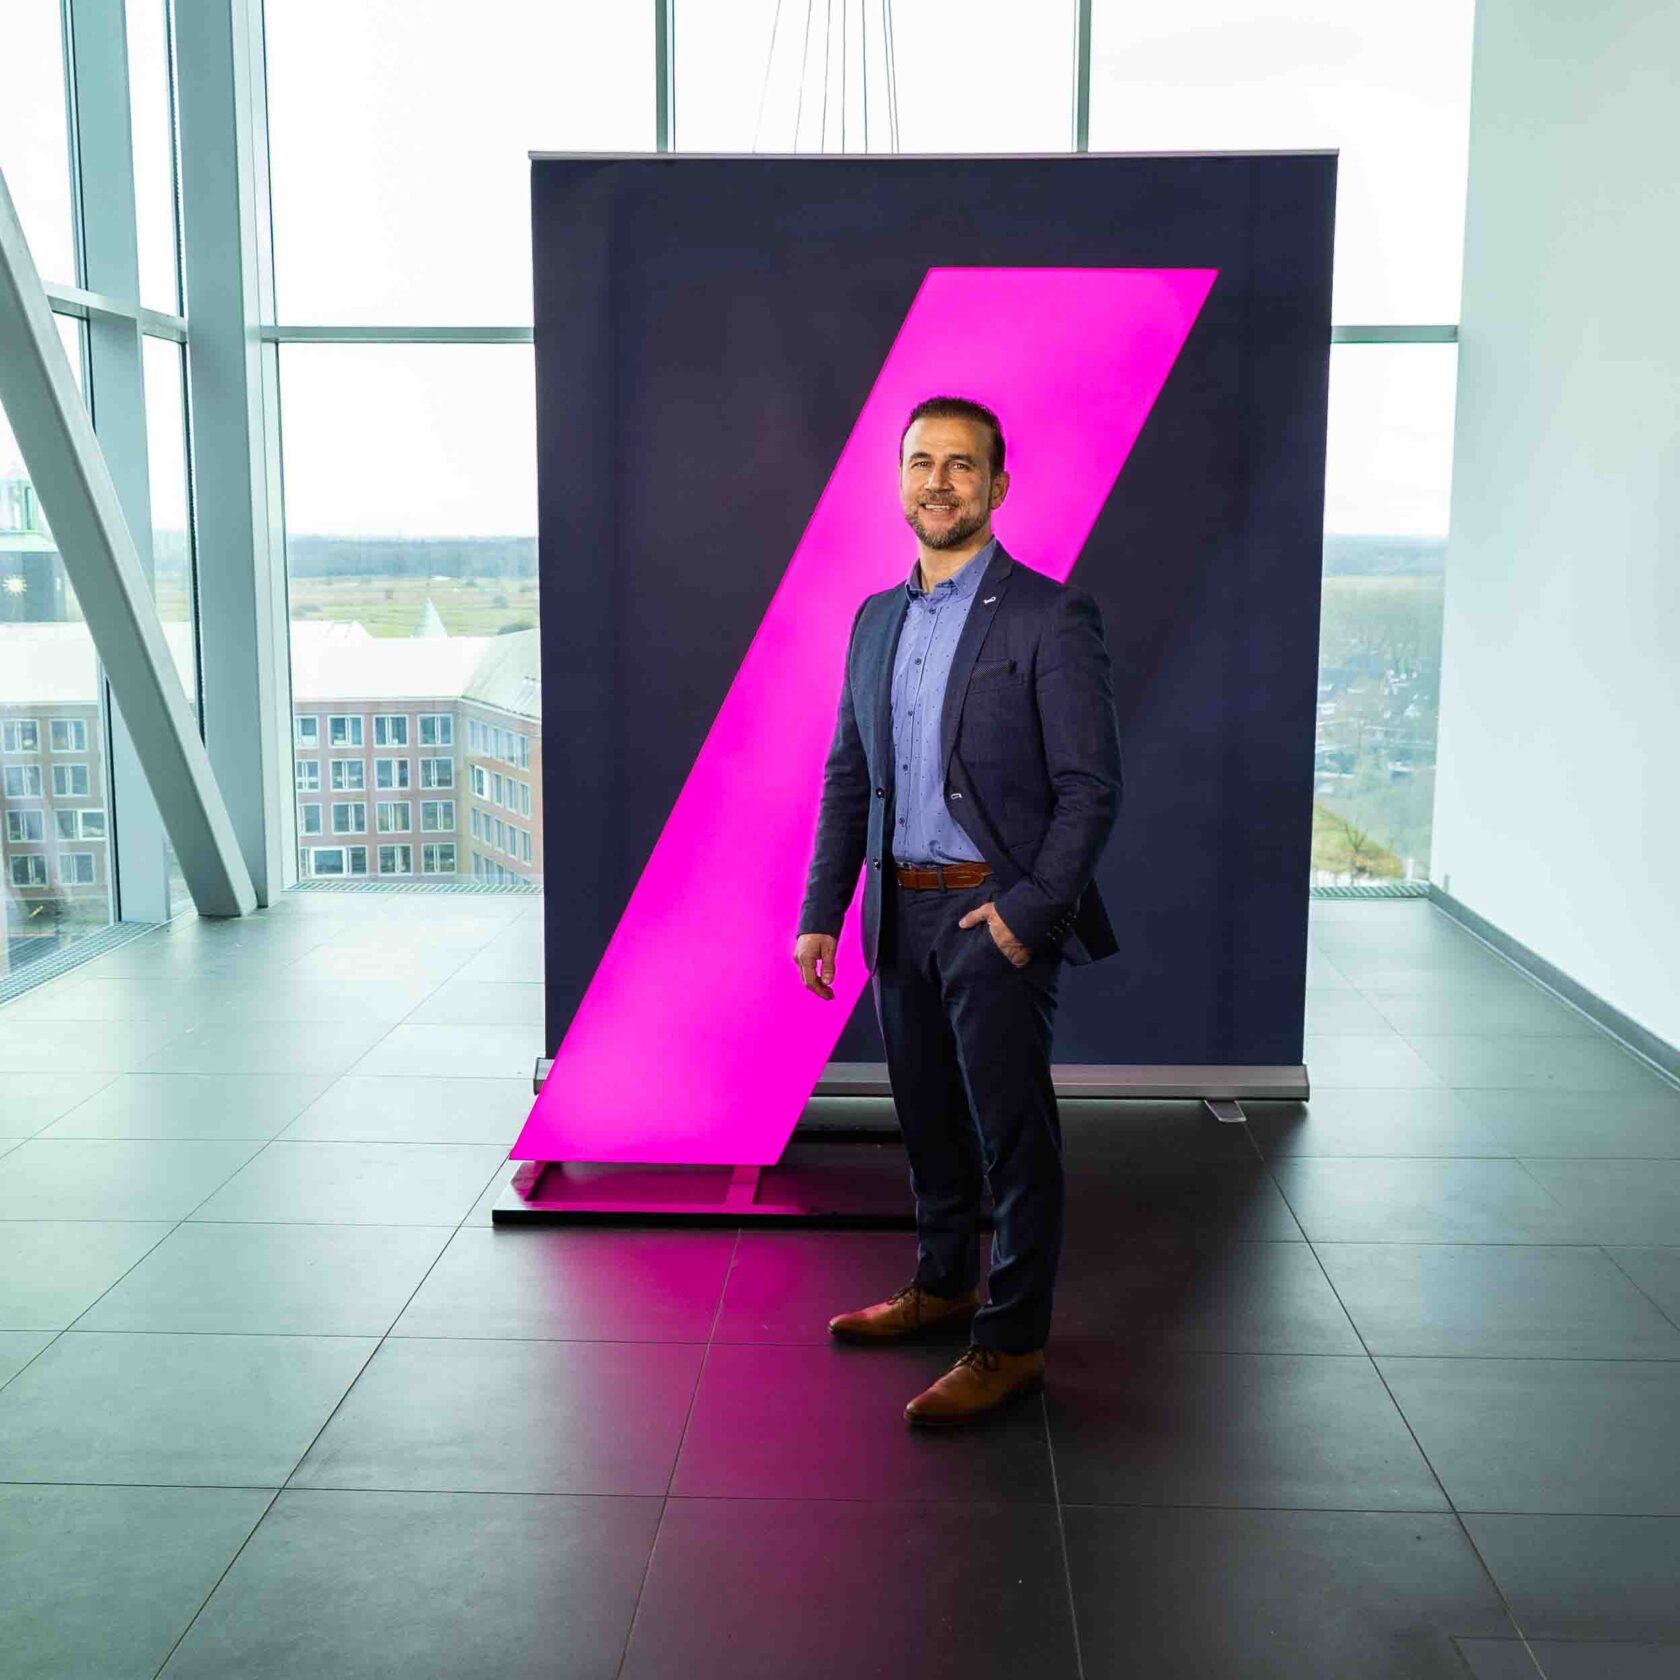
[398, 136]
[1388, 483]
[35, 133]
[1388, 85]
[49, 705]
[152, 119]
[410, 540]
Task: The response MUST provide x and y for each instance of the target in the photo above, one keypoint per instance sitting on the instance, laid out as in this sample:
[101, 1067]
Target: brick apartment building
[415, 758]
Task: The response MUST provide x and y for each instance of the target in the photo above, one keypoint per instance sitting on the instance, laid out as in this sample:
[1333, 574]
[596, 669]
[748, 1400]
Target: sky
[400, 185]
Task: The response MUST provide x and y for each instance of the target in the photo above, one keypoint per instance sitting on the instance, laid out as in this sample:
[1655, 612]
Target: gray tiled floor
[1385, 1386]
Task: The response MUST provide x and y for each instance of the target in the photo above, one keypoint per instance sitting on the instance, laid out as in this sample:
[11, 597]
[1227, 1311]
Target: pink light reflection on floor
[695, 1041]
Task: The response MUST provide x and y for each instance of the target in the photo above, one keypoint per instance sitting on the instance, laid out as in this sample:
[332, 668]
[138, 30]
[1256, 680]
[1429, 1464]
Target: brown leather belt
[944, 875]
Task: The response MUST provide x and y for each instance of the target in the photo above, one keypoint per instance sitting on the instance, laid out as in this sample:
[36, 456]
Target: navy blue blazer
[1031, 749]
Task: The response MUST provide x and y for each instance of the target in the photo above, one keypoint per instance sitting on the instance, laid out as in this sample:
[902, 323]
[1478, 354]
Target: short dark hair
[957, 408]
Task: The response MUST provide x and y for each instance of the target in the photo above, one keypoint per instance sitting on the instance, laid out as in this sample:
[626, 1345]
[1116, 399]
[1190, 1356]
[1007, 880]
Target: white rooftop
[54, 665]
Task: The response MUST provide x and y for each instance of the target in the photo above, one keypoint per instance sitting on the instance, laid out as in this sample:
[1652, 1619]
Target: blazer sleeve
[843, 821]
[1075, 694]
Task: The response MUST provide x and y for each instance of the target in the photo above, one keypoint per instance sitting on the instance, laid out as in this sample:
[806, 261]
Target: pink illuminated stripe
[695, 1041]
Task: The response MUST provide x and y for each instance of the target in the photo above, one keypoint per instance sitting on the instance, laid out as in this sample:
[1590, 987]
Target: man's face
[945, 482]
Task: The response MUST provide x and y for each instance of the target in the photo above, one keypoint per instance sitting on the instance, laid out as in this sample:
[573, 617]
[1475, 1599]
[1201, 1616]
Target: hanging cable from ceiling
[764, 90]
[892, 77]
[804, 59]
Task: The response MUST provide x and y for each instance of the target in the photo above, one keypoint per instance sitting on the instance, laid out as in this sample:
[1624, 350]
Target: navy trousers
[967, 1037]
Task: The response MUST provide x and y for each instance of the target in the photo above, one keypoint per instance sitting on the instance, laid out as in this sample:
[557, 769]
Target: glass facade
[1388, 481]
[411, 550]
[55, 806]
[1389, 87]
[399, 198]
[398, 134]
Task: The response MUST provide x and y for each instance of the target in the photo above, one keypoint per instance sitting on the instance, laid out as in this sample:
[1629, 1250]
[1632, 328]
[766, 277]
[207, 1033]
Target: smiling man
[975, 770]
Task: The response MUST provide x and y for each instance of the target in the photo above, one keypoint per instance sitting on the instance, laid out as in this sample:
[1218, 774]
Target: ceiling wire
[845, 59]
[764, 89]
[828, 48]
[804, 58]
[892, 77]
[863, 24]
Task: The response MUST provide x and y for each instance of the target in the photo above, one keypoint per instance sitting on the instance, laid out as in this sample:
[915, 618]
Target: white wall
[1557, 806]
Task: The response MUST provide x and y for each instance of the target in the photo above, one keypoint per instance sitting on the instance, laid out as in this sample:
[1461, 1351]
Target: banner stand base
[840, 1185]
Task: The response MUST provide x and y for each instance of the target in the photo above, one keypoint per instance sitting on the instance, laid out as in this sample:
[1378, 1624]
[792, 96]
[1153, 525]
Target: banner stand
[836, 1177]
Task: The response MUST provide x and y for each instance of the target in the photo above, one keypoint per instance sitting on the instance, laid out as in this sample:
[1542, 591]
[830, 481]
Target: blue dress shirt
[923, 830]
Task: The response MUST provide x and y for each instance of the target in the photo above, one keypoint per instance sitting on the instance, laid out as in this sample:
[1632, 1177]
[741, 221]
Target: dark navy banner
[708, 332]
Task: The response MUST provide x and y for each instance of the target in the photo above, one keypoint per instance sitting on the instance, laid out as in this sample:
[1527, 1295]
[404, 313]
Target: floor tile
[1425, 1200]
[1168, 1134]
[1593, 1064]
[482, 1003]
[583, 1285]
[1111, 1200]
[1276, 1595]
[181, 1411]
[1571, 1123]
[1367, 1061]
[1607, 1662]
[1571, 1436]
[328, 1047]
[442, 1051]
[510, 1417]
[101, 1581]
[398, 1109]
[281, 998]
[53, 1270]
[18, 1347]
[1616, 1201]
[1524, 1012]
[279, 1280]
[86, 1046]
[1380, 1122]
[1233, 1429]
[82, 996]
[397, 1585]
[790, 1587]
[355, 1183]
[1585, 1577]
[784, 1286]
[1202, 1296]
[1496, 1301]
[97, 1178]
[1497, 1659]
[191, 1105]
[1656, 1271]
[1340, 1010]
[33, 1100]
[780, 1422]
[432, 963]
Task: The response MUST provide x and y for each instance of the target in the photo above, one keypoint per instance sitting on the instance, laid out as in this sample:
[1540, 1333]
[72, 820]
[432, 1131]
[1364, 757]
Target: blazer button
[880, 793]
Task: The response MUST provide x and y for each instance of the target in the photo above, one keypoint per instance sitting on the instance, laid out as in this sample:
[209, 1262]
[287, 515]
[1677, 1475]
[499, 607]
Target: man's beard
[955, 536]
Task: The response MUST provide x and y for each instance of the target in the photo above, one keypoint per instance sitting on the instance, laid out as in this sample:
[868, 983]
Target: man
[975, 768]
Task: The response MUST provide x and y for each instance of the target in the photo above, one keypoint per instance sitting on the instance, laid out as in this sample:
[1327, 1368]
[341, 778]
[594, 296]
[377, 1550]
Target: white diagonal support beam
[71, 478]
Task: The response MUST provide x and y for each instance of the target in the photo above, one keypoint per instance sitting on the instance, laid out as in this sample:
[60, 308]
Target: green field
[391, 606]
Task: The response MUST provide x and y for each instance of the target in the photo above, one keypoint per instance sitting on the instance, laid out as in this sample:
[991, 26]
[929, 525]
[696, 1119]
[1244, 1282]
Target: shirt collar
[965, 582]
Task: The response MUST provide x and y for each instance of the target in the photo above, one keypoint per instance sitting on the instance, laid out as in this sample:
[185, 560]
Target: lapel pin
[988, 601]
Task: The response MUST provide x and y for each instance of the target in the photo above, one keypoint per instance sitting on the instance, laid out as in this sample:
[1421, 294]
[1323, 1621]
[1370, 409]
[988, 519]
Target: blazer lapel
[891, 629]
[980, 614]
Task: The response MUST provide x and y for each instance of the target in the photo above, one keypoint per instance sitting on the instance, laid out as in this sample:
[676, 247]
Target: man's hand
[814, 953]
[999, 930]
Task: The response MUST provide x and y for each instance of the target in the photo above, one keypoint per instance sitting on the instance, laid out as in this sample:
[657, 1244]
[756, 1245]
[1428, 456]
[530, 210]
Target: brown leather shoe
[903, 1313]
[981, 1381]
